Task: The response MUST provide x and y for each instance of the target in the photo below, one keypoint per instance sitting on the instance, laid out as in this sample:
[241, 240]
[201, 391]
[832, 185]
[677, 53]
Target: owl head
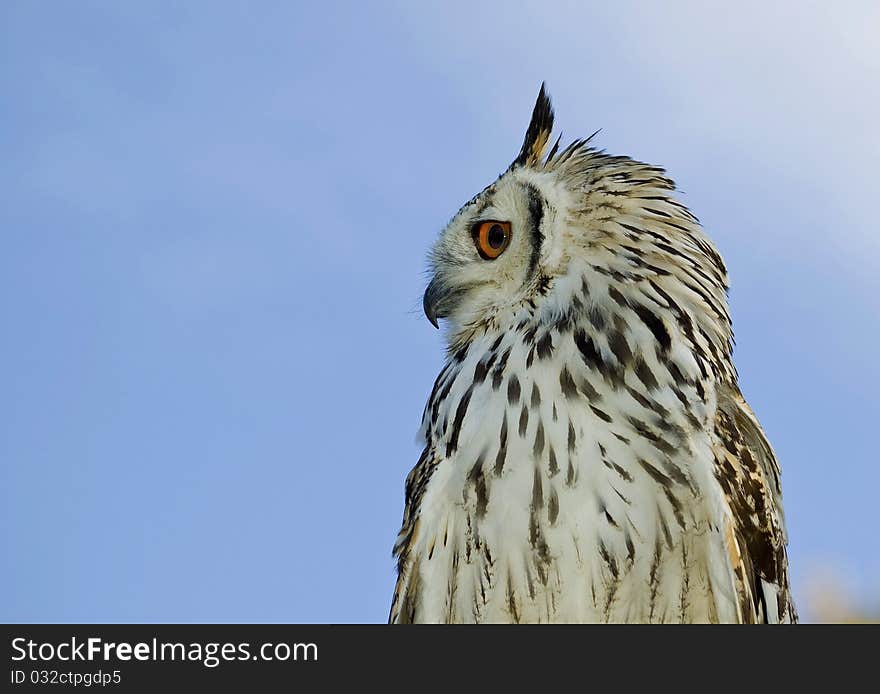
[571, 229]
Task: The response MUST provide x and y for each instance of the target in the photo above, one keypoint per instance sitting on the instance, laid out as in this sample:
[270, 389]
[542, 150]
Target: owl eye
[491, 238]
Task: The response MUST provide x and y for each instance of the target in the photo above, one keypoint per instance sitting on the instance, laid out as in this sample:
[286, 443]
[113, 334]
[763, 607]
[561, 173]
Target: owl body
[587, 454]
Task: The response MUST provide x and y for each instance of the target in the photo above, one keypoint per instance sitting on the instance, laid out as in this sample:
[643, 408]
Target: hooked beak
[431, 302]
[442, 298]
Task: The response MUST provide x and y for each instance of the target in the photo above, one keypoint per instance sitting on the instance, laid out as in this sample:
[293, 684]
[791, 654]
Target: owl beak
[431, 302]
[441, 299]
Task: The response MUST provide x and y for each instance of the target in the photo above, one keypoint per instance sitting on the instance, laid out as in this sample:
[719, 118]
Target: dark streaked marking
[572, 439]
[597, 318]
[536, 396]
[663, 445]
[542, 556]
[475, 472]
[664, 527]
[659, 271]
[711, 303]
[478, 479]
[676, 508]
[482, 495]
[457, 422]
[624, 474]
[609, 560]
[630, 548]
[554, 465]
[513, 390]
[481, 370]
[565, 324]
[617, 296]
[566, 382]
[588, 350]
[553, 507]
[588, 390]
[542, 561]
[654, 577]
[530, 583]
[410, 601]
[676, 373]
[523, 420]
[675, 473]
[687, 326]
[498, 371]
[648, 404]
[610, 519]
[537, 491]
[432, 400]
[502, 449]
[620, 347]
[670, 302]
[452, 588]
[622, 497]
[545, 346]
[570, 474]
[639, 230]
[655, 325]
[659, 213]
[690, 416]
[663, 246]
[685, 585]
[639, 398]
[478, 605]
[611, 594]
[490, 361]
[655, 474]
[536, 214]
[538, 448]
[645, 375]
[511, 600]
[601, 414]
[442, 397]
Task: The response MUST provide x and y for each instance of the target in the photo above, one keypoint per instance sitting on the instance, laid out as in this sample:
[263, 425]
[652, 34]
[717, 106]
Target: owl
[588, 455]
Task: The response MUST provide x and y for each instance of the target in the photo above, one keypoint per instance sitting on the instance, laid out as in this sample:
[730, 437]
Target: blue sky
[215, 220]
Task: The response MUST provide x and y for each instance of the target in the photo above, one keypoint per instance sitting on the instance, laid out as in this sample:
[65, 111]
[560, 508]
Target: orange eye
[491, 238]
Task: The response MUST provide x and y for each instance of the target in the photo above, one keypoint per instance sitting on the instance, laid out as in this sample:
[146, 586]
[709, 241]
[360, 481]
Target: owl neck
[650, 328]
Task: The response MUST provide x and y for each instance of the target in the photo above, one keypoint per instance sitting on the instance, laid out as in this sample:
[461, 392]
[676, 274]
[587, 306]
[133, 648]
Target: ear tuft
[538, 133]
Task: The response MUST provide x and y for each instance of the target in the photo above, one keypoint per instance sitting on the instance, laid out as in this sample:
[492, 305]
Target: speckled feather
[588, 456]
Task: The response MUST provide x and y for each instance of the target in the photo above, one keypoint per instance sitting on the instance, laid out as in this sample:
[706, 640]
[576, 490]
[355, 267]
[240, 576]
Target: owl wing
[749, 474]
[406, 589]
